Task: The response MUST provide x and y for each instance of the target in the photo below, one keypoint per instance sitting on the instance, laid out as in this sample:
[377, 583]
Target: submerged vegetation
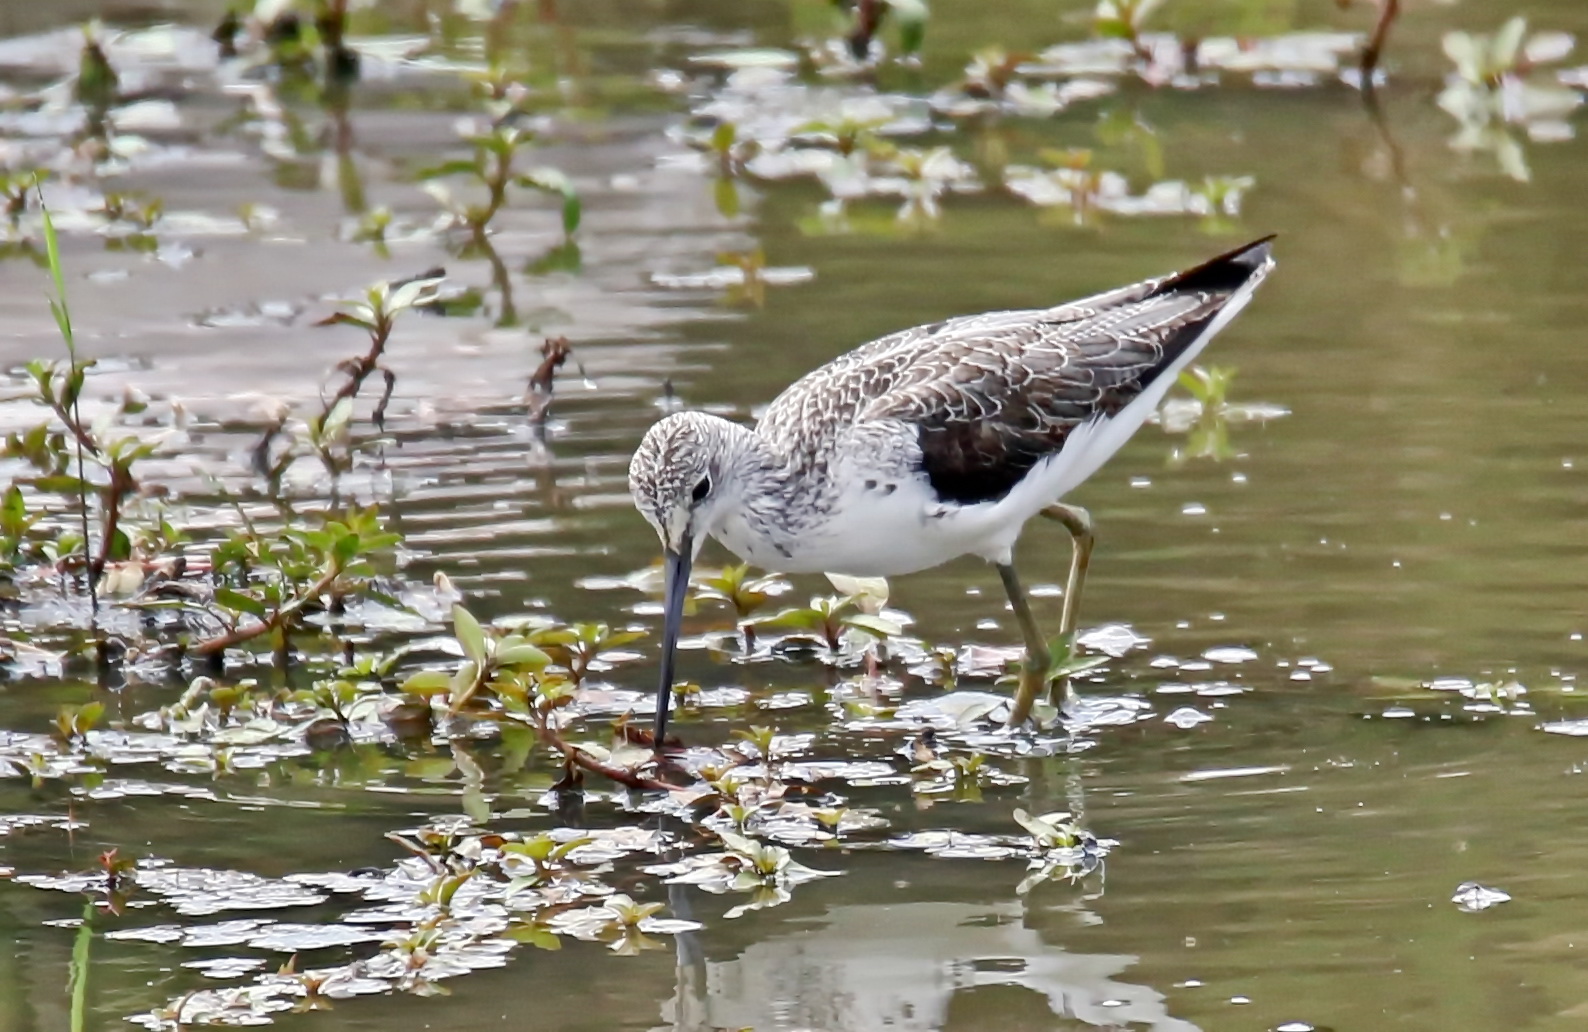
[277, 613]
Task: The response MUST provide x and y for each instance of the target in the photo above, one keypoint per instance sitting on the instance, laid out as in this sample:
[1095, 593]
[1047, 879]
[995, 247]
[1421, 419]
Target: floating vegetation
[1205, 417]
[1301, 59]
[1470, 897]
[743, 275]
[1495, 89]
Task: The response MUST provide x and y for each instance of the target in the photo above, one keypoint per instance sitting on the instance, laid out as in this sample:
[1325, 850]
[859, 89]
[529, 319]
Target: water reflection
[919, 965]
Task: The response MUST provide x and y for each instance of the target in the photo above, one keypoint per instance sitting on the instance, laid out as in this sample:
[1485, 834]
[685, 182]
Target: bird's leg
[1034, 669]
[1079, 523]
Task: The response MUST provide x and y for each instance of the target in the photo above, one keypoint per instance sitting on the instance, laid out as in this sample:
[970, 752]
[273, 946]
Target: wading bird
[932, 443]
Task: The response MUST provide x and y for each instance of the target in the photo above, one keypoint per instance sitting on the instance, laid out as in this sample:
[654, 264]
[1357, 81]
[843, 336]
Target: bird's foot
[1030, 680]
[1052, 675]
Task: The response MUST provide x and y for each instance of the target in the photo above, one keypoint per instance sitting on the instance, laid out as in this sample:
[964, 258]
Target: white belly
[872, 534]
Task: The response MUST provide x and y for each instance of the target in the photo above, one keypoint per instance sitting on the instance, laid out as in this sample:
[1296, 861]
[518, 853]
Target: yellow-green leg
[1038, 660]
[1079, 523]
[1034, 668]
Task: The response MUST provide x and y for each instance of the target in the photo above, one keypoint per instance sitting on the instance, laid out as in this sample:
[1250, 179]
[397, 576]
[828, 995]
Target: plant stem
[63, 320]
[1388, 11]
[580, 758]
[78, 974]
[280, 618]
[360, 369]
[112, 503]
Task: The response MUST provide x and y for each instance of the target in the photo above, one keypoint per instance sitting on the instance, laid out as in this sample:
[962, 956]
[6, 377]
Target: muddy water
[1420, 513]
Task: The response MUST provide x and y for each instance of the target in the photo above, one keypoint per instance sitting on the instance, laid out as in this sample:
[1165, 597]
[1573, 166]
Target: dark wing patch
[1003, 425]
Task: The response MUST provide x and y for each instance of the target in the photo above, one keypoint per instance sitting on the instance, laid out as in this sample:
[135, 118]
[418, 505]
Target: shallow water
[1418, 513]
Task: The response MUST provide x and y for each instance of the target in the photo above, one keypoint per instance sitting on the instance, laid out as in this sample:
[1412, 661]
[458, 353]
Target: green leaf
[52, 250]
[800, 619]
[725, 193]
[876, 626]
[13, 509]
[458, 167]
[60, 484]
[367, 324]
[345, 549]
[1077, 665]
[911, 16]
[1508, 45]
[520, 653]
[470, 634]
[237, 602]
[463, 686]
[1111, 28]
[1047, 829]
[538, 936]
[89, 715]
[562, 851]
[572, 213]
[428, 683]
[555, 636]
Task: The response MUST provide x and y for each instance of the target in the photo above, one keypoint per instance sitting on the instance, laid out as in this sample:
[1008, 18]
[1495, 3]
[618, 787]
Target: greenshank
[934, 442]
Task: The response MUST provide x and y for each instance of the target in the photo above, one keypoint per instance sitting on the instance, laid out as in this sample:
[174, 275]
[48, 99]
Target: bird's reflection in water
[911, 966]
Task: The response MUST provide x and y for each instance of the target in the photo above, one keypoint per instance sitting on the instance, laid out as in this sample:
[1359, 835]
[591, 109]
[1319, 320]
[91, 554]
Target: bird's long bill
[676, 567]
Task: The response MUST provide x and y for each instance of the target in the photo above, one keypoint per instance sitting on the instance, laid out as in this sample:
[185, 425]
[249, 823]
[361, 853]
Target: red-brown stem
[280, 618]
[361, 369]
[121, 483]
[868, 18]
[580, 758]
[1388, 11]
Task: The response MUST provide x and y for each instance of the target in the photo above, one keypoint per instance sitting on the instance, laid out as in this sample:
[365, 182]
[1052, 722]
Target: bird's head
[678, 478]
[682, 483]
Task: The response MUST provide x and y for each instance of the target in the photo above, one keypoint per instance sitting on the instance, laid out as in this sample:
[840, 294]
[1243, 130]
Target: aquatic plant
[131, 219]
[1066, 662]
[490, 167]
[497, 662]
[1373, 49]
[861, 23]
[372, 227]
[829, 618]
[376, 314]
[745, 593]
[1059, 847]
[1126, 20]
[1492, 90]
[576, 646]
[60, 450]
[73, 723]
[17, 187]
[1207, 415]
[276, 578]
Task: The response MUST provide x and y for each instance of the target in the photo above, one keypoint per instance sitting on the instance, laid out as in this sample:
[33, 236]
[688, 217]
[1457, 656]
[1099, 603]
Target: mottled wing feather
[992, 395]
[1001, 404]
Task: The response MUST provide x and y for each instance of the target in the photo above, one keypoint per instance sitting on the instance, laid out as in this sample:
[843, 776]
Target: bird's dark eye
[702, 489]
